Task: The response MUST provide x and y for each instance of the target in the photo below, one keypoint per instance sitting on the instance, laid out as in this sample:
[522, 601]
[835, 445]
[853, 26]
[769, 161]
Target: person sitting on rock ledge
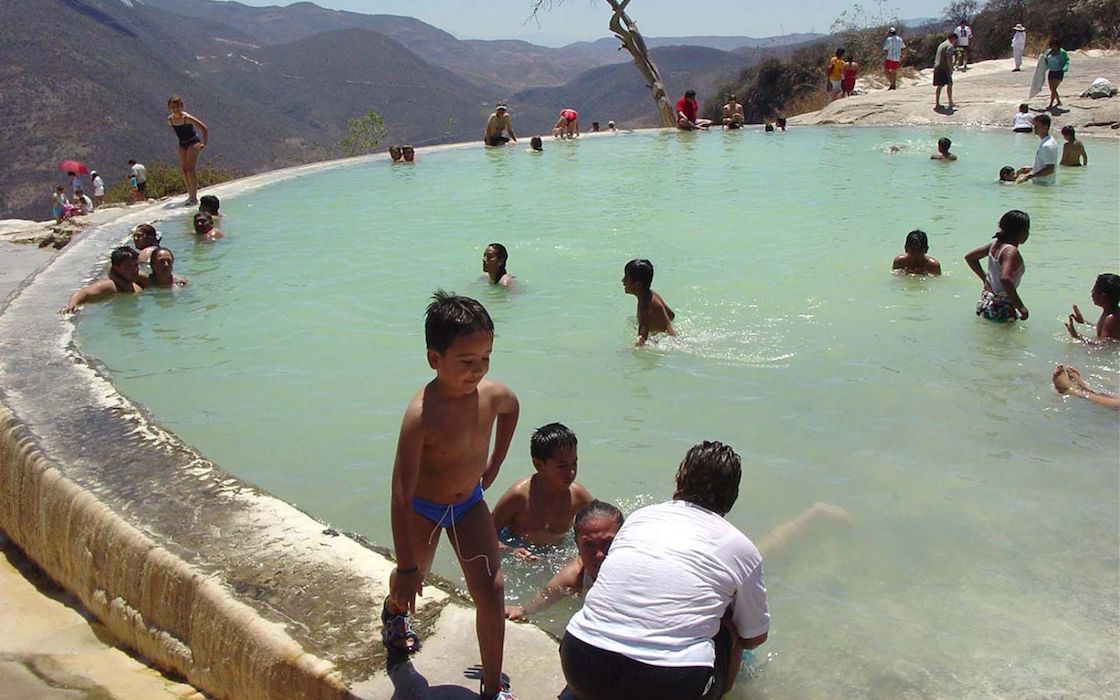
[1022, 122]
[124, 278]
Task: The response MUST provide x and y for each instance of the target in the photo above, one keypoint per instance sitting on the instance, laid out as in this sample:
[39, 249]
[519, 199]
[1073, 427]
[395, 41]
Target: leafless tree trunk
[627, 32]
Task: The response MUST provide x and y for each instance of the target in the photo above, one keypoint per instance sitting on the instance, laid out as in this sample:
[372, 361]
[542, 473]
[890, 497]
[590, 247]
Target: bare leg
[937, 98]
[190, 161]
[779, 538]
[1068, 381]
[476, 544]
[949, 93]
[425, 539]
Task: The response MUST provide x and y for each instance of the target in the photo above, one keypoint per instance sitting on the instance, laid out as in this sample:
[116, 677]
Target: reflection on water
[984, 558]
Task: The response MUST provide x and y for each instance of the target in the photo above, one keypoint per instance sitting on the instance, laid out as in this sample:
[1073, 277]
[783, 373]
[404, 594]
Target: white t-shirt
[673, 570]
[98, 187]
[1047, 155]
[963, 35]
[894, 45]
[140, 173]
[1021, 120]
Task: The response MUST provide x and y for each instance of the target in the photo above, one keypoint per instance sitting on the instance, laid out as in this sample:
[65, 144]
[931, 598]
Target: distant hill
[615, 93]
[511, 64]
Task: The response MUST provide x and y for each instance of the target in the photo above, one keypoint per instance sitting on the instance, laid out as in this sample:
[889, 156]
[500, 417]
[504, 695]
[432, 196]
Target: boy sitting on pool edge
[654, 315]
[540, 509]
[439, 474]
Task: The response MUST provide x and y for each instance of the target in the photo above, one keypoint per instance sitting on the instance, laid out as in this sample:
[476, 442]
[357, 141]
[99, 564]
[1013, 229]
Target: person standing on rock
[1057, 63]
[190, 144]
[943, 70]
[893, 46]
[140, 174]
[964, 38]
[848, 81]
[835, 71]
[98, 189]
[1018, 44]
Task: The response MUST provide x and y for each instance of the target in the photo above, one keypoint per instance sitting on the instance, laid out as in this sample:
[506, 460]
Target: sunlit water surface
[983, 560]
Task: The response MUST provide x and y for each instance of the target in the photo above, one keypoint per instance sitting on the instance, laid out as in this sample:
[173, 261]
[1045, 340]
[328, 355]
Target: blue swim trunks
[443, 514]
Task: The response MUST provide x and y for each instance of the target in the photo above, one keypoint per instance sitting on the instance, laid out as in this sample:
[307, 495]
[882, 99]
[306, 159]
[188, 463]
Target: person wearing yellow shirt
[835, 74]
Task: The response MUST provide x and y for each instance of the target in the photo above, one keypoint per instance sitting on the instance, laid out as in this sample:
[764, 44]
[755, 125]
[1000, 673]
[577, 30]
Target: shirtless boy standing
[654, 315]
[540, 508]
[440, 472]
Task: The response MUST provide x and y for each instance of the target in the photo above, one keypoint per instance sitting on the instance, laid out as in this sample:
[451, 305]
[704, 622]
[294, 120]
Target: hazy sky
[578, 20]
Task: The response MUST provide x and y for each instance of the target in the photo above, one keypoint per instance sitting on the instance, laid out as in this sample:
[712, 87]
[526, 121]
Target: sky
[586, 20]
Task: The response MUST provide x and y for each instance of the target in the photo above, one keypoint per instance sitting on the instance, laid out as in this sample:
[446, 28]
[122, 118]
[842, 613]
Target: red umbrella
[73, 166]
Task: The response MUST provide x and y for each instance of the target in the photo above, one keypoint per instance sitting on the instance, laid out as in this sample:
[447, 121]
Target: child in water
[943, 146]
[539, 509]
[440, 472]
[1007, 174]
[1073, 151]
[1105, 294]
[1000, 300]
[915, 261]
[536, 144]
[494, 260]
[654, 315]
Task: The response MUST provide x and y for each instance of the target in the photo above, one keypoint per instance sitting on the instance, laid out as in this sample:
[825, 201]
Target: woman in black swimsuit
[190, 144]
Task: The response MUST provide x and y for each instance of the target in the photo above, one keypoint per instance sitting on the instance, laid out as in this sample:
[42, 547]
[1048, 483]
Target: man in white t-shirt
[1046, 158]
[138, 171]
[678, 599]
[964, 38]
[893, 46]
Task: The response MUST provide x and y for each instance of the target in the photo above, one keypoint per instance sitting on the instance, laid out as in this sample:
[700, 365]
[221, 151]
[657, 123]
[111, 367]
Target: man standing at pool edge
[893, 46]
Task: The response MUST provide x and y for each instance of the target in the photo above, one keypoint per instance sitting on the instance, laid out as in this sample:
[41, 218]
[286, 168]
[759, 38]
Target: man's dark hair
[690, 93]
[123, 254]
[595, 510]
[1069, 131]
[1108, 284]
[1043, 119]
[549, 438]
[917, 240]
[709, 477]
[450, 316]
[944, 144]
[639, 270]
[840, 52]
[132, 162]
[209, 204]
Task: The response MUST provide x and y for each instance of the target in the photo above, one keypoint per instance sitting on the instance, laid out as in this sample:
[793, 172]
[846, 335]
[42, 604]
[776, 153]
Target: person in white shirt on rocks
[1022, 122]
[678, 599]
[964, 38]
[1018, 45]
[893, 46]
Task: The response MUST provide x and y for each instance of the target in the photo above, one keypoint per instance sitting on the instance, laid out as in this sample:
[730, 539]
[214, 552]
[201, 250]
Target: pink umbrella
[73, 166]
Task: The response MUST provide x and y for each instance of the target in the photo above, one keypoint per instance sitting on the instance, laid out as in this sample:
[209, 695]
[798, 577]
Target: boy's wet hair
[549, 438]
[639, 270]
[209, 204]
[917, 240]
[709, 477]
[597, 509]
[1005, 171]
[536, 144]
[123, 254]
[451, 316]
[1108, 284]
[944, 144]
[1069, 131]
[1043, 119]
[202, 218]
[1012, 224]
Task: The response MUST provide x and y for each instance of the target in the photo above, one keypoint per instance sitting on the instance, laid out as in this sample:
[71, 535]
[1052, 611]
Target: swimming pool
[984, 555]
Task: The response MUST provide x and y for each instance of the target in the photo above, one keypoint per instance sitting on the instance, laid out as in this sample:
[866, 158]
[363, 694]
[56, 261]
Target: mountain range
[89, 79]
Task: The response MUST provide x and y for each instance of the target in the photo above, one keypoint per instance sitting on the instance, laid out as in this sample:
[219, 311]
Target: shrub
[167, 180]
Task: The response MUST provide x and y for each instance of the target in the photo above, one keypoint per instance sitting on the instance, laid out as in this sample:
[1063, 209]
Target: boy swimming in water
[1105, 294]
[654, 315]
[439, 474]
[539, 509]
[1007, 174]
[915, 261]
[943, 146]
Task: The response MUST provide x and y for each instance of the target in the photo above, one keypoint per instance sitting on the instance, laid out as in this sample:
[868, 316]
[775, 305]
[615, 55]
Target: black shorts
[942, 76]
[595, 674]
[1055, 76]
[142, 187]
[497, 140]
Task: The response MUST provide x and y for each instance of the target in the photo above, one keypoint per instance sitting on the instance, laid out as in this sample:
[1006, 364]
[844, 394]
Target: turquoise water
[983, 558]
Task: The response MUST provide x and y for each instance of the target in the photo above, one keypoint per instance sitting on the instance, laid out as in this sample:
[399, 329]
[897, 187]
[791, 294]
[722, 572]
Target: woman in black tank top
[190, 144]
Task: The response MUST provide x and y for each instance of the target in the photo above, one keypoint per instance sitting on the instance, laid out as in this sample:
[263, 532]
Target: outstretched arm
[564, 583]
[94, 292]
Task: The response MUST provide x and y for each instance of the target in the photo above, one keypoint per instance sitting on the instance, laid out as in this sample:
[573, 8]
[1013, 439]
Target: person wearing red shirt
[687, 111]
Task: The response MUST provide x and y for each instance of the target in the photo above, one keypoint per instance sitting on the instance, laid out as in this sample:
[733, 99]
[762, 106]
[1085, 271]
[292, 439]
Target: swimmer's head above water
[494, 259]
[536, 143]
[1007, 174]
[637, 276]
[917, 242]
[595, 527]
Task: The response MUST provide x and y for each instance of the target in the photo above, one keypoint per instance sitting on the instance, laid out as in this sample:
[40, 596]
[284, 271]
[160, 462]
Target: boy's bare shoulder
[495, 391]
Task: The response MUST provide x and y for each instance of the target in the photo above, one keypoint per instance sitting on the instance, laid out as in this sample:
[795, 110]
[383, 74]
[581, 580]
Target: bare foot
[832, 512]
[1061, 380]
[1075, 377]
